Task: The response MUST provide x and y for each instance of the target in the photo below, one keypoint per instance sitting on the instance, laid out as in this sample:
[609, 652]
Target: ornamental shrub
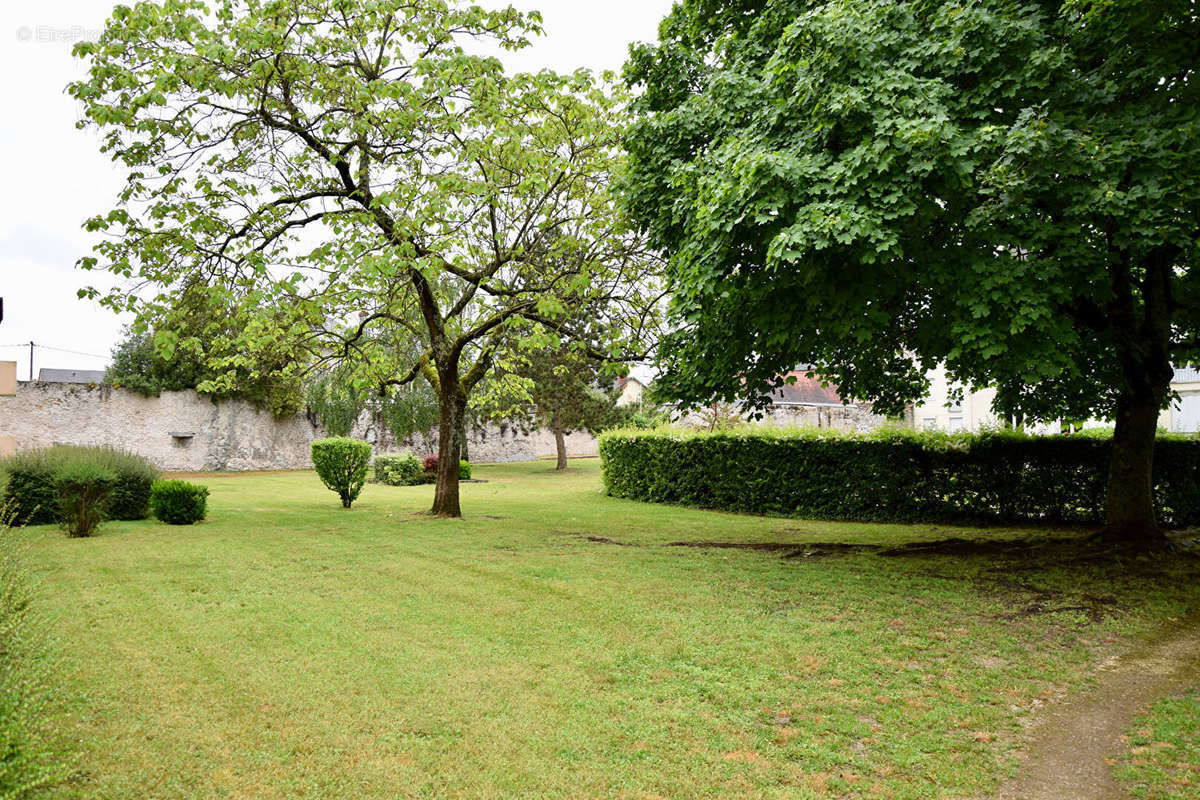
[894, 475]
[398, 469]
[431, 467]
[179, 502]
[130, 496]
[342, 464]
[83, 488]
[31, 489]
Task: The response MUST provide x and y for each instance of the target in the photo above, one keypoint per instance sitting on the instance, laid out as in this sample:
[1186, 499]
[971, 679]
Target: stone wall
[185, 431]
[858, 417]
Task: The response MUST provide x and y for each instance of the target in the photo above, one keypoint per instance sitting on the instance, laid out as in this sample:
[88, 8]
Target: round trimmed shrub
[342, 465]
[179, 502]
[83, 489]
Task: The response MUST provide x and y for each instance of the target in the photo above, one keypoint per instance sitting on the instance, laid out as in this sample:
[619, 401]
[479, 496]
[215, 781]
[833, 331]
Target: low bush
[179, 502]
[431, 467]
[31, 485]
[83, 489]
[398, 469]
[895, 475]
[31, 756]
[29, 490]
[342, 465]
[130, 496]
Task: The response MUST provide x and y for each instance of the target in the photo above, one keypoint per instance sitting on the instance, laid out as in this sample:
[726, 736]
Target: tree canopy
[873, 188]
[329, 167]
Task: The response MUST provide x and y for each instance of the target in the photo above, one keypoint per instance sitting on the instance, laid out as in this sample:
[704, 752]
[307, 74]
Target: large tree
[354, 163]
[875, 188]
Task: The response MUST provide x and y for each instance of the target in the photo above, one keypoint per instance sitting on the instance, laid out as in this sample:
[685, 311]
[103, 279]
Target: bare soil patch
[1072, 750]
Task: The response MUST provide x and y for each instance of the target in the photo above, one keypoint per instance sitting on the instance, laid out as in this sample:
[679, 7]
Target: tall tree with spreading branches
[351, 164]
[1008, 187]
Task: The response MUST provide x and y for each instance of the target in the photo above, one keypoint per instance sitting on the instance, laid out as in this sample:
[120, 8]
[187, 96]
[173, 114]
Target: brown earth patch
[1071, 752]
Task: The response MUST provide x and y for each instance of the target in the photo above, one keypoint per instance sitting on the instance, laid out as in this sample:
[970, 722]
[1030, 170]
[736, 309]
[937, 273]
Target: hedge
[32, 496]
[179, 502]
[894, 476]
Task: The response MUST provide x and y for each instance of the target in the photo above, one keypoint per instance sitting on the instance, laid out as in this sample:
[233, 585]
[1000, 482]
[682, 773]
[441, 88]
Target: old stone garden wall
[185, 431]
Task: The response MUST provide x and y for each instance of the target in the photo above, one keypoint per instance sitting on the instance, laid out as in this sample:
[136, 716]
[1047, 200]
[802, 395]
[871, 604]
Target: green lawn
[287, 648]
[1163, 762]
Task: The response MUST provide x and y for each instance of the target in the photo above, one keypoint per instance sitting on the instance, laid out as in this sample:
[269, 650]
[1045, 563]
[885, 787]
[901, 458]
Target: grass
[1162, 763]
[287, 648]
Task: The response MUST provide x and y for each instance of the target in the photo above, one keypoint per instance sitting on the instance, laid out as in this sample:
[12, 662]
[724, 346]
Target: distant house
[71, 375]
[1184, 414]
[629, 391]
[805, 399]
[973, 410]
[806, 389]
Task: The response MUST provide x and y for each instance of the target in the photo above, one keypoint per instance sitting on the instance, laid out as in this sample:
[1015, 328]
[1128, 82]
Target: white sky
[56, 176]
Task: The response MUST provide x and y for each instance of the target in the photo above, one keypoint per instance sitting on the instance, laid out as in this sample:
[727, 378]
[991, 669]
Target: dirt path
[1069, 752]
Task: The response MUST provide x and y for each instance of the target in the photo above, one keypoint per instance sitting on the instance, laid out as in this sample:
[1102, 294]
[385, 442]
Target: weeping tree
[349, 164]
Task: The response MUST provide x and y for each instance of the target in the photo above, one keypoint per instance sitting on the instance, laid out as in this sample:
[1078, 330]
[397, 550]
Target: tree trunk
[1129, 504]
[464, 452]
[560, 445]
[1145, 355]
[452, 406]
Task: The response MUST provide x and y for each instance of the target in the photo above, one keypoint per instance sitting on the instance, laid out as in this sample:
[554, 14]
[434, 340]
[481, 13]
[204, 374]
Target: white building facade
[939, 412]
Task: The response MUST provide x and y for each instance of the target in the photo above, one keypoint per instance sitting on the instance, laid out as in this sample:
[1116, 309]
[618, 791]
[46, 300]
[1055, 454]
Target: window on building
[929, 423]
[956, 424]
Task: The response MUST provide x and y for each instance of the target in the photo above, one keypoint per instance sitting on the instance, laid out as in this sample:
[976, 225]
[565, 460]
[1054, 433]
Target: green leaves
[306, 170]
[875, 186]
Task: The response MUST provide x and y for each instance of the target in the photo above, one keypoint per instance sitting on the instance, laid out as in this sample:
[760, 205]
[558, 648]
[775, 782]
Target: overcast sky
[57, 177]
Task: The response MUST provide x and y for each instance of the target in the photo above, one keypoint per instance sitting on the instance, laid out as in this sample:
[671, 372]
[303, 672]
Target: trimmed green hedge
[895, 476]
[179, 502]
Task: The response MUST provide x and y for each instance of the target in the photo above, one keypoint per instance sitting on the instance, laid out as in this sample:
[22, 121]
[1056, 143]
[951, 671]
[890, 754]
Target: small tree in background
[334, 400]
[138, 367]
[342, 465]
[187, 346]
[565, 395]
